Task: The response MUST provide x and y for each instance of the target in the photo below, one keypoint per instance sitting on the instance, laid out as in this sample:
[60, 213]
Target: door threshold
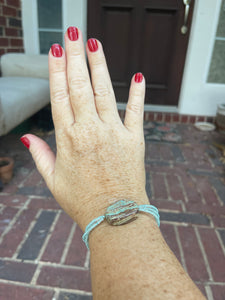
[154, 108]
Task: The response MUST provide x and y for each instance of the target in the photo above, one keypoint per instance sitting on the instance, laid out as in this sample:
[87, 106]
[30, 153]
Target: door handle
[184, 28]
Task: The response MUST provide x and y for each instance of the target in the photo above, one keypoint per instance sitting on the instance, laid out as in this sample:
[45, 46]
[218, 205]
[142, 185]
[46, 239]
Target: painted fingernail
[92, 45]
[25, 141]
[138, 77]
[73, 33]
[56, 50]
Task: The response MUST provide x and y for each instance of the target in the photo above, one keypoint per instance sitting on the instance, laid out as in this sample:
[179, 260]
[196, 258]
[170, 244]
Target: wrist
[105, 235]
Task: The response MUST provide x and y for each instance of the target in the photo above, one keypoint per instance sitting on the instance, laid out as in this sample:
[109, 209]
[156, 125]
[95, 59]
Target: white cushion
[20, 98]
[20, 64]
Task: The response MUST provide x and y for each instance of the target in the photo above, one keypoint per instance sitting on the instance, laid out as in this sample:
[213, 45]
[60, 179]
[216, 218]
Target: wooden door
[142, 36]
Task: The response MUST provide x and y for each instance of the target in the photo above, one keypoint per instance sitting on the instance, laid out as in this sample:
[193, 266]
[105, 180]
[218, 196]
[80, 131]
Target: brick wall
[11, 35]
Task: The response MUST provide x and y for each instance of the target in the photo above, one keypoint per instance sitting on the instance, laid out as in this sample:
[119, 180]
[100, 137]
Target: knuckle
[78, 83]
[136, 108]
[101, 91]
[59, 95]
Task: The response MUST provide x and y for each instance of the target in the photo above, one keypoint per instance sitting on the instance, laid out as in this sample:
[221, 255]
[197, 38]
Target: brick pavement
[42, 255]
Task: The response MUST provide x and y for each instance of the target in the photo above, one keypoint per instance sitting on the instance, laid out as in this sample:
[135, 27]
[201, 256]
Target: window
[50, 24]
[217, 67]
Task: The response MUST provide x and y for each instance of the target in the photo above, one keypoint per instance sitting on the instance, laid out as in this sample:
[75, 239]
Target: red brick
[9, 11]
[65, 278]
[34, 178]
[165, 152]
[184, 119]
[175, 118]
[44, 203]
[170, 237]
[77, 251]
[2, 51]
[168, 117]
[13, 200]
[166, 204]
[57, 242]
[4, 42]
[208, 193]
[15, 3]
[17, 292]
[193, 257]
[159, 187]
[16, 42]
[6, 217]
[174, 187]
[152, 151]
[214, 253]
[201, 119]
[151, 117]
[218, 291]
[159, 116]
[188, 152]
[218, 220]
[3, 20]
[17, 271]
[190, 188]
[13, 238]
[192, 119]
[11, 32]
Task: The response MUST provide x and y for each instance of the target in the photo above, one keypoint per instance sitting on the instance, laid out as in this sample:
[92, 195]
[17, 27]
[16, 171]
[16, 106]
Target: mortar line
[167, 188]
[220, 241]
[86, 264]
[180, 248]
[203, 253]
[198, 191]
[36, 274]
[48, 236]
[209, 293]
[68, 242]
[11, 224]
[56, 295]
[44, 264]
[22, 182]
[183, 191]
[45, 287]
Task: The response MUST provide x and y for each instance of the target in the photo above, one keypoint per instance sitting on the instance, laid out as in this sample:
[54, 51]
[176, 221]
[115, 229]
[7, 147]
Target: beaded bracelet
[120, 213]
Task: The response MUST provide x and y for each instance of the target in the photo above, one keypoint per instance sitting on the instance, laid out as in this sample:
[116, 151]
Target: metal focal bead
[121, 212]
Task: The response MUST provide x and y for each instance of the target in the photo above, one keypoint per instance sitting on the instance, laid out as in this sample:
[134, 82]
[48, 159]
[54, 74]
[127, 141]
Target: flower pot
[6, 169]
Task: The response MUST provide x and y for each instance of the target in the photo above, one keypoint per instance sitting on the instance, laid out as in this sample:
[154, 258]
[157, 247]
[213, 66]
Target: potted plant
[6, 169]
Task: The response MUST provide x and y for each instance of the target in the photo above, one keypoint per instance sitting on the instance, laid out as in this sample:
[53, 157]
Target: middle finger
[80, 89]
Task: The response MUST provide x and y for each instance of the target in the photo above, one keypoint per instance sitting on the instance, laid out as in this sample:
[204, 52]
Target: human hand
[99, 159]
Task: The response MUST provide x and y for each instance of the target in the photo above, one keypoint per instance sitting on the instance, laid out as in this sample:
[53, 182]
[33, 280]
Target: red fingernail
[138, 77]
[73, 33]
[56, 50]
[25, 141]
[92, 45]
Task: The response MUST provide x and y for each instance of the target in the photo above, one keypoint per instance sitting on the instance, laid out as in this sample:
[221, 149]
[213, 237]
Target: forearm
[134, 262]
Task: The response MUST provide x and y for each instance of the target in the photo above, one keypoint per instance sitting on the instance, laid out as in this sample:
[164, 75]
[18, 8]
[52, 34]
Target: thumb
[43, 157]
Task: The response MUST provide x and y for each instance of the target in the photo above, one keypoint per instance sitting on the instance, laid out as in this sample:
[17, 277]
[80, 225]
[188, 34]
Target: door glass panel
[49, 24]
[217, 67]
[46, 40]
[49, 14]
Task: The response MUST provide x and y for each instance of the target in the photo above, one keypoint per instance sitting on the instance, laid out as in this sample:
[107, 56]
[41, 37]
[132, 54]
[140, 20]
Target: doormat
[161, 132]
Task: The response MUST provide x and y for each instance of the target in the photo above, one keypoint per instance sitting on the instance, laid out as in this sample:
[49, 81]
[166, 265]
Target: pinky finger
[135, 106]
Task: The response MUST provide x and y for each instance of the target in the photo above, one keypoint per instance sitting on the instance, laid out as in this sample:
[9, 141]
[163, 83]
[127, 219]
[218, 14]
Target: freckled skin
[100, 160]
[109, 157]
